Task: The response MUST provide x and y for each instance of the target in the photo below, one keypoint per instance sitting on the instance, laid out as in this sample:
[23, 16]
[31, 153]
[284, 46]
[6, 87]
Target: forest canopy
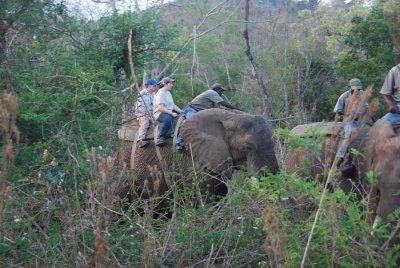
[73, 85]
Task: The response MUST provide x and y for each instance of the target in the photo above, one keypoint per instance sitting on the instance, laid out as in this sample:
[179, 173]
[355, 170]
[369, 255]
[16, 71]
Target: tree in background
[372, 52]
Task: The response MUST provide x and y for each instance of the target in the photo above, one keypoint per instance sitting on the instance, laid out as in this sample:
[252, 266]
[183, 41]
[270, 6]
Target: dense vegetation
[58, 204]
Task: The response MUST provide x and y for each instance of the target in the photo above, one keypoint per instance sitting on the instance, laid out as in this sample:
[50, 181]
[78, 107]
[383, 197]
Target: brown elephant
[316, 164]
[216, 143]
[383, 160]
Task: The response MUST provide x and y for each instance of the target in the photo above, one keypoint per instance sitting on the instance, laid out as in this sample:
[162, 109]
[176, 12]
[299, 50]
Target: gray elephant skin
[218, 141]
[384, 161]
[316, 165]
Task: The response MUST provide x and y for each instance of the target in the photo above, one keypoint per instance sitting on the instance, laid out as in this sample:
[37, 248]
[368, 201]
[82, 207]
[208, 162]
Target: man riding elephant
[348, 106]
[205, 100]
[391, 94]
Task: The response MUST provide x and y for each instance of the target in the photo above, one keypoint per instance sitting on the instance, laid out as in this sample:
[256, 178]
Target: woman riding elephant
[216, 142]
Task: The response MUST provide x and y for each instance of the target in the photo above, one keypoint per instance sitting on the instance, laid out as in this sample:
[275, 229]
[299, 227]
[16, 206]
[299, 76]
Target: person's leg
[189, 112]
[392, 117]
[345, 163]
[144, 124]
[344, 144]
[166, 123]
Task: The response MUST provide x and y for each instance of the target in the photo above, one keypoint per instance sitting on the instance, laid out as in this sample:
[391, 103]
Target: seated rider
[391, 94]
[165, 109]
[205, 100]
[343, 107]
[144, 110]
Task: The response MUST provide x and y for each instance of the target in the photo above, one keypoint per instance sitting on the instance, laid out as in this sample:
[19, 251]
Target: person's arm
[179, 110]
[387, 91]
[390, 103]
[164, 110]
[339, 107]
[142, 109]
[228, 105]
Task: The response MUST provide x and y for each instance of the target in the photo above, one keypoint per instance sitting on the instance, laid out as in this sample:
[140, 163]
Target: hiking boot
[160, 141]
[348, 170]
[143, 143]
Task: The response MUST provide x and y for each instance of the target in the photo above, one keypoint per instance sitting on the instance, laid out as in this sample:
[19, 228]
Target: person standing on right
[165, 109]
[391, 94]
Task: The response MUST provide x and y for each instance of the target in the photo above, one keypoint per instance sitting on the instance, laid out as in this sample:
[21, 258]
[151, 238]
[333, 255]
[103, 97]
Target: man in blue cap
[144, 110]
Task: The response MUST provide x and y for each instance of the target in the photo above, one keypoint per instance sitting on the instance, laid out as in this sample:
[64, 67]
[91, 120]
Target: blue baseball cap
[150, 82]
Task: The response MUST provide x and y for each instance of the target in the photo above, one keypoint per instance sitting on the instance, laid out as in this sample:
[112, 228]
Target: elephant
[217, 142]
[383, 160]
[316, 165]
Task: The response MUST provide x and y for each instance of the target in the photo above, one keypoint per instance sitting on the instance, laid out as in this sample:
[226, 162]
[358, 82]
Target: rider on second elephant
[205, 100]
[391, 94]
[348, 107]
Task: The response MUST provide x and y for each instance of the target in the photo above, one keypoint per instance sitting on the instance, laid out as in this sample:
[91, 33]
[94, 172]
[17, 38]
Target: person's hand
[174, 114]
[393, 109]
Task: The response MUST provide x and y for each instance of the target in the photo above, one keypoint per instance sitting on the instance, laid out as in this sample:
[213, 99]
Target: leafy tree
[372, 51]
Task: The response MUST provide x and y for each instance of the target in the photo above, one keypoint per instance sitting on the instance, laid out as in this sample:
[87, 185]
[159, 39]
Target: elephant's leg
[372, 205]
[214, 188]
[389, 201]
[123, 155]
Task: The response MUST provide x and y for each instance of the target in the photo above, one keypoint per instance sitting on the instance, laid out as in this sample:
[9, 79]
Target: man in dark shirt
[205, 100]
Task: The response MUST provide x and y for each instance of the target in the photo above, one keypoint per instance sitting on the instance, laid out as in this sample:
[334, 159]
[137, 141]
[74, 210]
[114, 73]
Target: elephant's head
[219, 139]
[316, 165]
[383, 152]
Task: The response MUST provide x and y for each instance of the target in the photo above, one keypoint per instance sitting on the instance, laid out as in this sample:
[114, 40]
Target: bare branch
[21, 11]
[263, 88]
[192, 37]
[67, 33]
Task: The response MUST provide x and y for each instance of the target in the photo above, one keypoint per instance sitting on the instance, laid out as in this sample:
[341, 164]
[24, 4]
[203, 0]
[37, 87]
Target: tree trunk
[285, 78]
[267, 110]
[5, 77]
[137, 7]
[5, 25]
[112, 5]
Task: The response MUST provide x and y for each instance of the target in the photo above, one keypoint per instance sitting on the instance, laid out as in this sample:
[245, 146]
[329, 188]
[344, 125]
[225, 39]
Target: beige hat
[217, 85]
[355, 83]
[166, 80]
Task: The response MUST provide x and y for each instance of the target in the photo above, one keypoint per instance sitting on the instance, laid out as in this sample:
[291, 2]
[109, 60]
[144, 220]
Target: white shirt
[163, 97]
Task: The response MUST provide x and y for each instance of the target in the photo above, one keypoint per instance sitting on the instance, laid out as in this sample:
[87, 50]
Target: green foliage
[372, 51]
[312, 142]
[63, 71]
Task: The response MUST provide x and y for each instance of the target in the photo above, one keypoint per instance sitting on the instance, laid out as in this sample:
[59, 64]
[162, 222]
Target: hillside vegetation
[67, 86]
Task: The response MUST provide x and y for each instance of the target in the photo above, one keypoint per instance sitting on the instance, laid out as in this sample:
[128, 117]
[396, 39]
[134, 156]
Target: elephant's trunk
[257, 162]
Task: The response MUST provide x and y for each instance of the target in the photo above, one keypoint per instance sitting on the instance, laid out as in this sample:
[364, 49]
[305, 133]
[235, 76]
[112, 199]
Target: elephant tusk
[375, 225]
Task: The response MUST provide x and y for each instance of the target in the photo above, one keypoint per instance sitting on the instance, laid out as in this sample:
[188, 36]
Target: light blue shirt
[145, 100]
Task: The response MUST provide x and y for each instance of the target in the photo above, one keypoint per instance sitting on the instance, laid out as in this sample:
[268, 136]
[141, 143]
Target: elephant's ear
[205, 139]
